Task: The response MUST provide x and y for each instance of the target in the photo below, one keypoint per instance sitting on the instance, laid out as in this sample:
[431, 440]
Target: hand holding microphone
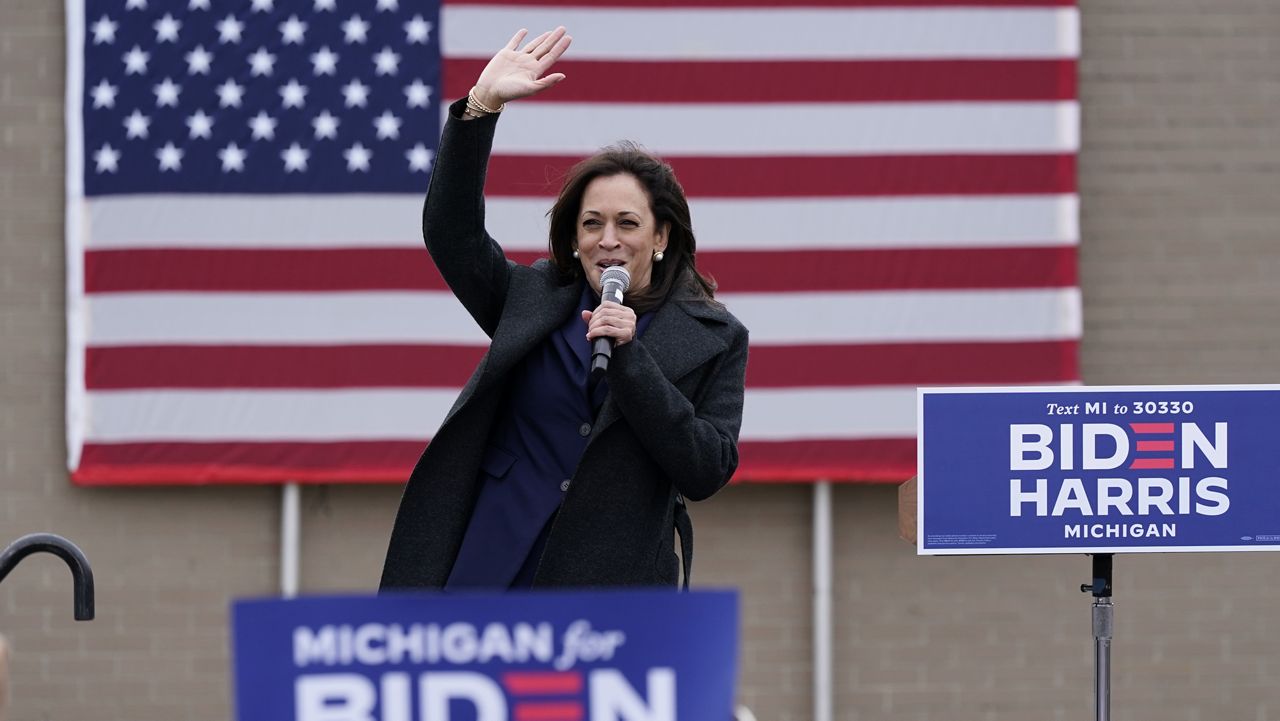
[611, 322]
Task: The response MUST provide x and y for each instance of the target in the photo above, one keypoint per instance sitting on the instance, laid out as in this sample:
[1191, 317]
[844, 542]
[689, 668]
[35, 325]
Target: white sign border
[923, 391]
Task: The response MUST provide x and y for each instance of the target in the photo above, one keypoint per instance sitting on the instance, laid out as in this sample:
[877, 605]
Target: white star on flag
[107, 158]
[199, 61]
[325, 61]
[391, 5]
[357, 157]
[355, 30]
[104, 31]
[262, 63]
[418, 94]
[263, 125]
[229, 94]
[135, 5]
[293, 95]
[229, 30]
[166, 93]
[388, 126]
[263, 6]
[135, 61]
[387, 61]
[295, 159]
[419, 158]
[167, 29]
[325, 5]
[232, 158]
[170, 158]
[136, 125]
[292, 31]
[357, 94]
[326, 125]
[198, 5]
[417, 30]
[201, 125]
[104, 95]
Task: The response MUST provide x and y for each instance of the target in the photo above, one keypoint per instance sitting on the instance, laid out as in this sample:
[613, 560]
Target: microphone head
[616, 274]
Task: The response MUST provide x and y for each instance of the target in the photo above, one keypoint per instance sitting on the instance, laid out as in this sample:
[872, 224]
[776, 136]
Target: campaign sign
[1098, 470]
[649, 655]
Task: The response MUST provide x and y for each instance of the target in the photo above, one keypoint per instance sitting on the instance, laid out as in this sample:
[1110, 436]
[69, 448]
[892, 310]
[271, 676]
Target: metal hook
[81, 572]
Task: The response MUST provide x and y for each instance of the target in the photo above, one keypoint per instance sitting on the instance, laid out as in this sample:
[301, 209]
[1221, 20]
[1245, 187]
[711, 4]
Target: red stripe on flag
[238, 270]
[543, 711]
[767, 3]
[891, 269]
[816, 176]
[301, 270]
[441, 366]
[892, 459]
[793, 81]
[549, 682]
[231, 366]
[1155, 445]
[913, 364]
[1152, 427]
[246, 462]
[855, 460]
[1152, 463]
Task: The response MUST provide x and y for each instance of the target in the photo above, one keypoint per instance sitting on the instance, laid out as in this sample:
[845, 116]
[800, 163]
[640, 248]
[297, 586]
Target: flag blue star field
[883, 189]
[199, 99]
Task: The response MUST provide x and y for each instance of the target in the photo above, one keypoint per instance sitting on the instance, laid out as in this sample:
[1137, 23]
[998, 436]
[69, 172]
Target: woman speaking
[544, 473]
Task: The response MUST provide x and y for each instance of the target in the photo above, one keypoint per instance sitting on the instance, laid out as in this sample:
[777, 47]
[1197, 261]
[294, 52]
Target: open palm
[517, 72]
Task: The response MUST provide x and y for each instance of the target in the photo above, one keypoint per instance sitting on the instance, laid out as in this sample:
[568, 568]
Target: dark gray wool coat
[669, 424]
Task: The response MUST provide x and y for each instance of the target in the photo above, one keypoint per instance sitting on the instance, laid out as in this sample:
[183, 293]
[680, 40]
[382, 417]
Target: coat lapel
[679, 342]
[535, 306]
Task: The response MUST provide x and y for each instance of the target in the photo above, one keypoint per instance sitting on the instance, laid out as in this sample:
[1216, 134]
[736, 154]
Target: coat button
[584, 430]
[564, 485]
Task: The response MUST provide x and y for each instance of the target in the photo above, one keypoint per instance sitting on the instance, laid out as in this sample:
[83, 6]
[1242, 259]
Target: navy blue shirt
[531, 456]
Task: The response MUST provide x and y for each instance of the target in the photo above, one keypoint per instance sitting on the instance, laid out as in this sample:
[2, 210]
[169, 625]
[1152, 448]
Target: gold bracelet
[480, 107]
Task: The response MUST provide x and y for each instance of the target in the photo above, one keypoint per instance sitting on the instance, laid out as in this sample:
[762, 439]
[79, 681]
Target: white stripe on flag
[843, 223]
[793, 129]
[275, 318]
[437, 317]
[792, 414]
[255, 222]
[228, 415]
[520, 223]
[477, 31]
[908, 316]
[415, 413]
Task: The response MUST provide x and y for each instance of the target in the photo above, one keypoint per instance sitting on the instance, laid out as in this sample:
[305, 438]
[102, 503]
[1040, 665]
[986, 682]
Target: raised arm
[469, 259]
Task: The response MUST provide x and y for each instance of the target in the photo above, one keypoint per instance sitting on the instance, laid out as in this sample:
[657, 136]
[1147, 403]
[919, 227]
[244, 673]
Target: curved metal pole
[81, 573]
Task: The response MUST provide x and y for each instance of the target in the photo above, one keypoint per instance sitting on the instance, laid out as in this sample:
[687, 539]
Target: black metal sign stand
[1103, 622]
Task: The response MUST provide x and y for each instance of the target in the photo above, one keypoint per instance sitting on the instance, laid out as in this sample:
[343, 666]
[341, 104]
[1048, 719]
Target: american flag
[883, 189]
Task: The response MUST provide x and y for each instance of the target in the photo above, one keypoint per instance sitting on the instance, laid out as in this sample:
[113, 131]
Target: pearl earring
[575, 252]
[657, 256]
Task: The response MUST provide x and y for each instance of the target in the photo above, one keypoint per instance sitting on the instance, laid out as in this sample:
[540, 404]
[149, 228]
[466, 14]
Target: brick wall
[1179, 179]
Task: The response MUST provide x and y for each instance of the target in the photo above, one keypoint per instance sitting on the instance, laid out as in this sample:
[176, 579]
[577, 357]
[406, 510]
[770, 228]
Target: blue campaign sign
[1098, 470]
[648, 655]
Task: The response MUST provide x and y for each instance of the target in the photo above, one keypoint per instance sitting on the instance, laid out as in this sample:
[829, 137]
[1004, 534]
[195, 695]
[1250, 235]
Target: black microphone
[613, 283]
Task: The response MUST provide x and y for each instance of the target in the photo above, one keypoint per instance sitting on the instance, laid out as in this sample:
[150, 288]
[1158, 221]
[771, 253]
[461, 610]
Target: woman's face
[617, 227]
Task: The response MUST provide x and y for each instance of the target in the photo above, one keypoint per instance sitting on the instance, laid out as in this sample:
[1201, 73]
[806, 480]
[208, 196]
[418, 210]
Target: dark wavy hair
[668, 205]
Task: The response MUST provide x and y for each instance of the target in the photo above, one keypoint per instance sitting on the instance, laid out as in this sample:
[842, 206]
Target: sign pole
[1103, 624]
